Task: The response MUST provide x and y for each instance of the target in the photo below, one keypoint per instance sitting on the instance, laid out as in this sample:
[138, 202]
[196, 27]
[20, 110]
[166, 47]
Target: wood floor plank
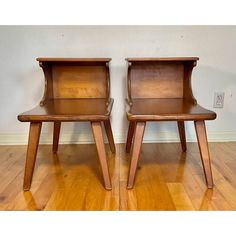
[200, 198]
[216, 199]
[180, 197]
[229, 193]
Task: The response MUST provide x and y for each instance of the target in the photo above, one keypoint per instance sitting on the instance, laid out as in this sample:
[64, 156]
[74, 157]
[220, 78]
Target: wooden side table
[76, 89]
[159, 89]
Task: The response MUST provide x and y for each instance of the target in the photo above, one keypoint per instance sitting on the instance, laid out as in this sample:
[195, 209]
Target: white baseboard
[66, 138]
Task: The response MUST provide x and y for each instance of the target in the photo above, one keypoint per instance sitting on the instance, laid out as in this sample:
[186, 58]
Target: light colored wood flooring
[167, 179]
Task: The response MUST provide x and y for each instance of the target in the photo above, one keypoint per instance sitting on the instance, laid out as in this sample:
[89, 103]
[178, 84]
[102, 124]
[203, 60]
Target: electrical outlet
[219, 99]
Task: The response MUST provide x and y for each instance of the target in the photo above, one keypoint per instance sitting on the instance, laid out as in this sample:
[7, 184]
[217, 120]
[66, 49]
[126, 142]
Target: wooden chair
[159, 89]
[76, 89]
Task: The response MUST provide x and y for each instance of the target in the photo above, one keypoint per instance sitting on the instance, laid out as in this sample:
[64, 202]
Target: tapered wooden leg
[130, 135]
[138, 138]
[97, 133]
[110, 138]
[56, 134]
[34, 134]
[182, 135]
[204, 151]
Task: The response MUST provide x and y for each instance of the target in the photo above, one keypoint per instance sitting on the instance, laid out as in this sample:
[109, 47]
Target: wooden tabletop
[52, 59]
[161, 59]
[69, 110]
[167, 110]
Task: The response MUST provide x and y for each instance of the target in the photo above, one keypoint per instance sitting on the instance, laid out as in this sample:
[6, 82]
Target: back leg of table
[130, 136]
[110, 138]
[182, 135]
[56, 134]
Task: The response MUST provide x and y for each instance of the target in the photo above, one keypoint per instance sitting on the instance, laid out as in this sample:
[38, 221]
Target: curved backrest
[71, 78]
[160, 77]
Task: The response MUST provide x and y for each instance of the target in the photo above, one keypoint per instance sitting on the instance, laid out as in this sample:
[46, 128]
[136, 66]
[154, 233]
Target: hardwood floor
[166, 179]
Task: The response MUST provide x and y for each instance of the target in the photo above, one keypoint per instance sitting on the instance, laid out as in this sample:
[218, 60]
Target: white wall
[21, 79]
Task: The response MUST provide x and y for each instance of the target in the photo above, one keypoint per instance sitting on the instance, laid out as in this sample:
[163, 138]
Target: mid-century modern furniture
[76, 89]
[159, 89]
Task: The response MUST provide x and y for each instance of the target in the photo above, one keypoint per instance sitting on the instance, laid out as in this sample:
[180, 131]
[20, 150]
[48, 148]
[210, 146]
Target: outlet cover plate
[219, 100]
